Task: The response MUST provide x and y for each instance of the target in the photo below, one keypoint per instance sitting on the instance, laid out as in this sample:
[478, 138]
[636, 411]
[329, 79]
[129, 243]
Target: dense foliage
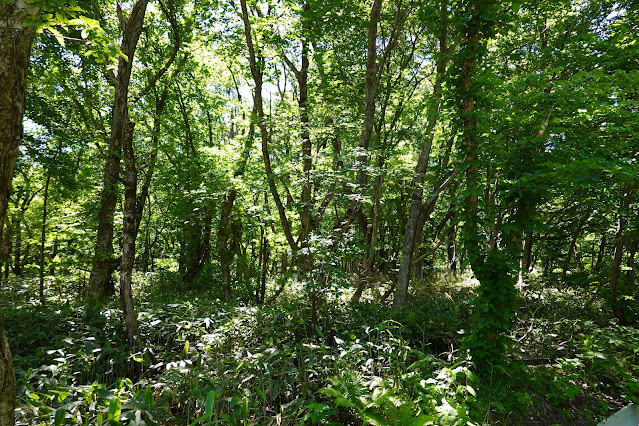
[319, 212]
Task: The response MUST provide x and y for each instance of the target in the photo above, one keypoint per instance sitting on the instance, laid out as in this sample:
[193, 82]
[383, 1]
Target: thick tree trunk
[198, 248]
[7, 381]
[15, 46]
[493, 307]
[100, 282]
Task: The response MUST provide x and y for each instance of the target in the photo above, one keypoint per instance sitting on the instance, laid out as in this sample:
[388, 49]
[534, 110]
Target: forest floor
[206, 361]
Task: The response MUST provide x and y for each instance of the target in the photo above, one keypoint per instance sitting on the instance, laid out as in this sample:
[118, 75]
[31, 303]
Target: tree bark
[493, 307]
[451, 248]
[416, 208]
[258, 103]
[527, 254]
[43, 235]
[100, 285]
[572, 249]
[7, 381]
[622, 221]
[129, 234]
[224, 233]
[15, 46]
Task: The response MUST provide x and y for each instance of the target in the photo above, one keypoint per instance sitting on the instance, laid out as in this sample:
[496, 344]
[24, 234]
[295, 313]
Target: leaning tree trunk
[15, 46]
[416, 208]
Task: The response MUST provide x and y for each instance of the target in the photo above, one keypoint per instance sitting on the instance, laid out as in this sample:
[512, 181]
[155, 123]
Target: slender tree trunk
[224, 233]
[527, 254]
[572, 249]
[43, 235]
[223, 237]
[622, 221]
[631, 262]
[365, 269]
[264, 261]
[601, 253]
[100, 282]
[451, 248]
[17, 247]
[5, 254]
[129, 234]
[257, 75]
[372, 87]
[416, 206]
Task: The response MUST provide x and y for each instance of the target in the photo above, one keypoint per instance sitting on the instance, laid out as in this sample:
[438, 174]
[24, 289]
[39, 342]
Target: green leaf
[210, 399]
[57, 35]
[114, 409]
[59, 417]
[148, 397]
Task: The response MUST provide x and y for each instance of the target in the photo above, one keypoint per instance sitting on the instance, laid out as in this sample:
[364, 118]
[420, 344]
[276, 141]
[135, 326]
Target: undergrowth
[206, 361]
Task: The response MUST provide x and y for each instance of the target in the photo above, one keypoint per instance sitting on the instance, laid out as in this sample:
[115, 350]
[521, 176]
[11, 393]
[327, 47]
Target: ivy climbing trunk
[493, 306]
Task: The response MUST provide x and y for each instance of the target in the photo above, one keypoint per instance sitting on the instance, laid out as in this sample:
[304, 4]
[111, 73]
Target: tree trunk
[631, 262]
[129, 235]
[223, 238]
[601, 253]
[100, 282]
[7, 381]
[451, 248]
[15, 46]
[572, 250]
[264, 262]
[258, 103]
[43, 235]
[17, 247]
[493, 307]
[416, 208]
[527, 254]
[224, 233]
[622, 221]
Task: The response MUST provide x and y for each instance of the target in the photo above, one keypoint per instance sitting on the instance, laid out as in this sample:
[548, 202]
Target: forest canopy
[318, 212]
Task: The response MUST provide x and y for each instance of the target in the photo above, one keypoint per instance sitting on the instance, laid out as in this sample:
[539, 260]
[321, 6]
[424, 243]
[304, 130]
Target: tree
[100, 285]
[418, 206]
[16, 36]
